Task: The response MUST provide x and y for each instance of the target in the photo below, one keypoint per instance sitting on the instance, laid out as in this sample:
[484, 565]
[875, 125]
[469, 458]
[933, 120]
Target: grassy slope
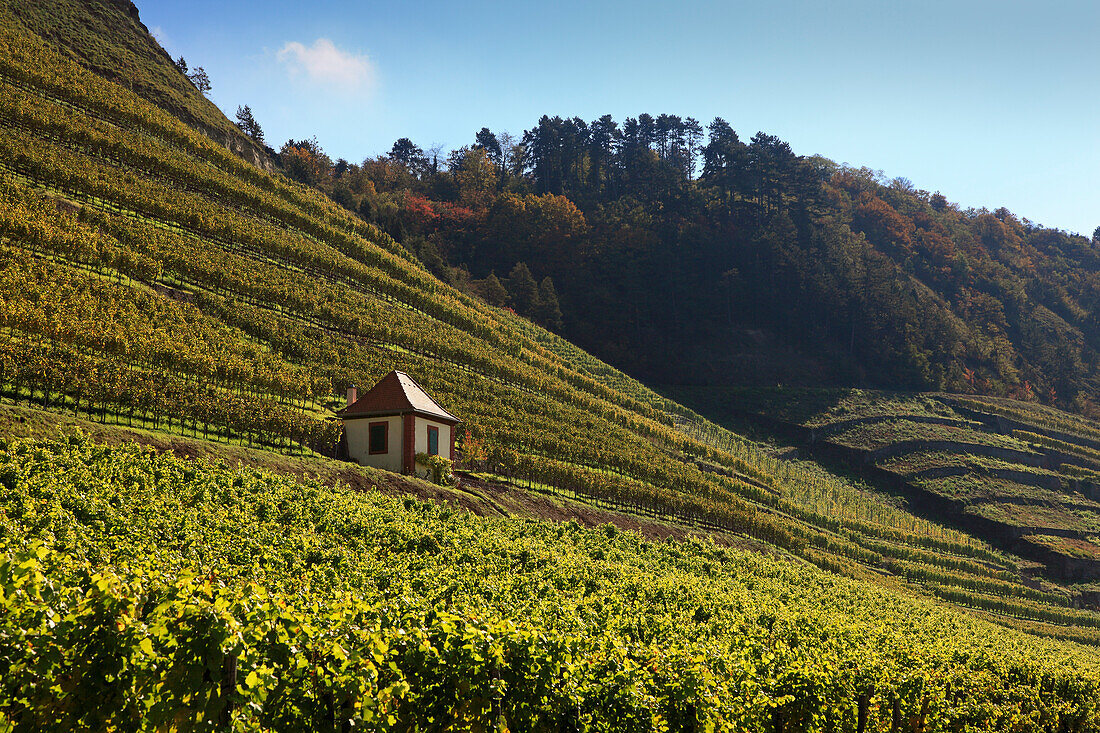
[108, 37]
[279, 299]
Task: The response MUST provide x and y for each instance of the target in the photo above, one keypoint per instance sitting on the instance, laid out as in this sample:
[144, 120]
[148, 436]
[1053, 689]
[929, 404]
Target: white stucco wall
[359, 447]
[421, 433]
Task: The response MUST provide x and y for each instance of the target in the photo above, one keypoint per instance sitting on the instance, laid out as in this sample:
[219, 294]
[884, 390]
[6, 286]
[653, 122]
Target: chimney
[353, 395]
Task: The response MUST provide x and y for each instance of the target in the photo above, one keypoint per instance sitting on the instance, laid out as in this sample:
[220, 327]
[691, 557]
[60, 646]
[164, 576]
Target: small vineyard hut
[395, 420]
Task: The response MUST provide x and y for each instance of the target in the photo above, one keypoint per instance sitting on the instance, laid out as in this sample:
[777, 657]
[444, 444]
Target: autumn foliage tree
[305, 161]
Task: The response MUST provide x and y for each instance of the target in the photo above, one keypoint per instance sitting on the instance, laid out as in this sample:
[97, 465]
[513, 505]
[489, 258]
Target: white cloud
[324, 63]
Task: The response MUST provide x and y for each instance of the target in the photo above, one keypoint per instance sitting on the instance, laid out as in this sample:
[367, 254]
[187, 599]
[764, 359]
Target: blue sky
[991, 103]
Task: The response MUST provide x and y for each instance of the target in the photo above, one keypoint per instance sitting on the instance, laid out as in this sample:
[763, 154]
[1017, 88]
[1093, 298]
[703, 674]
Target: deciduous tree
[200, 79]
[305, 161]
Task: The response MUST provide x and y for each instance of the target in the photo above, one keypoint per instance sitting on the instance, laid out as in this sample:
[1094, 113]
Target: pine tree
[409, 155]
[248, 124]
[495, 294]
[549, 310]
[523, 289]
[488, 142]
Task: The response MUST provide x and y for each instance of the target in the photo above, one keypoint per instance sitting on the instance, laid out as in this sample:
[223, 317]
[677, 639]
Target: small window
[378, 437]
[433, 441]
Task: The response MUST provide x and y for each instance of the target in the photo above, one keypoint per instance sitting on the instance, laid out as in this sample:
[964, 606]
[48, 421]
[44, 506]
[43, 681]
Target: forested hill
[686, 255]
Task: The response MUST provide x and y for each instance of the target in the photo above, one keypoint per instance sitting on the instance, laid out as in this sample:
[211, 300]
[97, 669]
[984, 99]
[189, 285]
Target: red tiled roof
[397, 393]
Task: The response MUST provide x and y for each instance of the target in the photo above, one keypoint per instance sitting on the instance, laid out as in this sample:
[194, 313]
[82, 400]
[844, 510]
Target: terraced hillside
[152, 278]
[1024, 476]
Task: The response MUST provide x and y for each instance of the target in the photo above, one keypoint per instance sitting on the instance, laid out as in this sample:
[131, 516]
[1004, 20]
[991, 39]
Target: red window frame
[432, 430]
[385, 440]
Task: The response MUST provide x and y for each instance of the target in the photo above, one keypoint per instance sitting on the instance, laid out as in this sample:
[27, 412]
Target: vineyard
[197, 596]
[153, 279]
[1024, 476]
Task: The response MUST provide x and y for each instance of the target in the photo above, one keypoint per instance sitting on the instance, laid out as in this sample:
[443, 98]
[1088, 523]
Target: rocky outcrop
[240, 146]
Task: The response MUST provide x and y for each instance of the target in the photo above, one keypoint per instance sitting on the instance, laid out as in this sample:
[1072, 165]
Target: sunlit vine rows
[287, 299]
